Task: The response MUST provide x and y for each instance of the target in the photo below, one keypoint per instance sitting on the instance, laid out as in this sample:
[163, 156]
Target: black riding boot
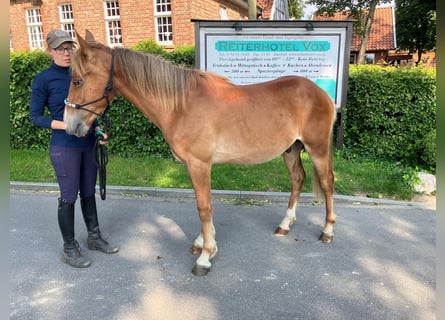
[71, 249]
[95, 240]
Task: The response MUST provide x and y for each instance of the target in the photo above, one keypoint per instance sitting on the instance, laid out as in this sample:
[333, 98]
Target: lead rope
[101, 154]
[100, 151]
[101, 159]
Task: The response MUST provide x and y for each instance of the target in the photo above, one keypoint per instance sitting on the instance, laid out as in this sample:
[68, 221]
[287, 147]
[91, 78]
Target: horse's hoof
[326, 238]
[195, 250]
[279, 232]
[200, 270]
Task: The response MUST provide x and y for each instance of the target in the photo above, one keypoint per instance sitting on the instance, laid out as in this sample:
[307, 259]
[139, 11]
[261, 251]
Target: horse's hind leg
[323, 182]
[293, 162]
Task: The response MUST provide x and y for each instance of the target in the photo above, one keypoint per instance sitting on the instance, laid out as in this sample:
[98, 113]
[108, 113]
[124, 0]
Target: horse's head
[91, 89]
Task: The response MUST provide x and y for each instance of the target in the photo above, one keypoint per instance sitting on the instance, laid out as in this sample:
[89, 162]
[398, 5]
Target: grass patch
[352, 177]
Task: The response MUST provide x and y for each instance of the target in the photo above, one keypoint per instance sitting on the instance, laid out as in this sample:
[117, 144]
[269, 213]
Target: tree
[360, 10]
[416, 26]
[296, 9]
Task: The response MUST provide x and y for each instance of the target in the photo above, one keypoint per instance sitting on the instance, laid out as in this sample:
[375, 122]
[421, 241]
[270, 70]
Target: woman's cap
[56, 37]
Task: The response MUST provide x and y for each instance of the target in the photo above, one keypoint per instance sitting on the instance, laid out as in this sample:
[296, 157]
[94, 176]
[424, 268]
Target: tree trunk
[251, 9]
[419, 57]
[368, 24]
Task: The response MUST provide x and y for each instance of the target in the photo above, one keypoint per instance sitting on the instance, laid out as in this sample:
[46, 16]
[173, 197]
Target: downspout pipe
[244, 5]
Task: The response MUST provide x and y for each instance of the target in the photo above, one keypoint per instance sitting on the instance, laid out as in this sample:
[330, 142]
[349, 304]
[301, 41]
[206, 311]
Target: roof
[382, 35]
[266, 5]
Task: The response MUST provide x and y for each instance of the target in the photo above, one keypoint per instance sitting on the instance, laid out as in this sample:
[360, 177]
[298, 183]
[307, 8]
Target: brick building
[117, 22]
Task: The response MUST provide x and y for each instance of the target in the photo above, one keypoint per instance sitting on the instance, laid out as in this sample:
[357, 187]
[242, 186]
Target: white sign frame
[251, 51]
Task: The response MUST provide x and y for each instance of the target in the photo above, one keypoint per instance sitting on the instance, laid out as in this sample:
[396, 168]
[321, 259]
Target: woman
[71, 157]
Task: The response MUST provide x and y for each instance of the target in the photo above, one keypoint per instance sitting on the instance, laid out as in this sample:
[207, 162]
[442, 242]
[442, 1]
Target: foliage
[296, 8]
[132, 134]
[23, 67]
[416, 25]
[182, 56]
[427, 149]
[391, 114]
[149, 46]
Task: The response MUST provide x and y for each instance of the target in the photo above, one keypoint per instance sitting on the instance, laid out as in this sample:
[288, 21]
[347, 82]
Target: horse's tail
[316, 186]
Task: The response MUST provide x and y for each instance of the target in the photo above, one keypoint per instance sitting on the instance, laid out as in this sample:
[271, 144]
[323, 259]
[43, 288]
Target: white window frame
[35, 29]
[223, 13]
[113, 23]
[66, 17]
[160, 23]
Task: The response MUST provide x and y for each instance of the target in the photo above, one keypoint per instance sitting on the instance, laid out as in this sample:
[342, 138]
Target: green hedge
[390, 112]
[23, 67]
[131, 135]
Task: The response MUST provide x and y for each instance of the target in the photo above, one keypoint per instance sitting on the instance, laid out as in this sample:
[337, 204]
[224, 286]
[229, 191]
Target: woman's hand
[58, 125]
[102, 136]
[104, 140]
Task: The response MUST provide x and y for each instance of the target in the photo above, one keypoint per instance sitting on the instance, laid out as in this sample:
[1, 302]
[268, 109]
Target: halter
[105, 95]
[101, 156]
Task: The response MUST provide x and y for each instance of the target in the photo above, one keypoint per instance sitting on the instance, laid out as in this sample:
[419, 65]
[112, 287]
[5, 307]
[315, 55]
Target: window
[35, 31]
[67, 19]
[163, 19]
[369, 58]
[223, 13]
[352, 58]
[113, 23]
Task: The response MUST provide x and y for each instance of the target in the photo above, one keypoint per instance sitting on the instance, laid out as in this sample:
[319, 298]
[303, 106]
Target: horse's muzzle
[75, 125]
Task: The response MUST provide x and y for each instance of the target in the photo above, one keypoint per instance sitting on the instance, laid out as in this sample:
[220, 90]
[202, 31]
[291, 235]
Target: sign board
[251, 51]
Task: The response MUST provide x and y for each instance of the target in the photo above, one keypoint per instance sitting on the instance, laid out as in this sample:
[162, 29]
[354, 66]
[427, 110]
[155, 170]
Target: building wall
[17, 25]
[136, 17]
[137, 21]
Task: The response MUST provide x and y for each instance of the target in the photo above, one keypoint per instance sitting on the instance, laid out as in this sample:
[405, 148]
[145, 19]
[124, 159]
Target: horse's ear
[80, 41]
[89, 37]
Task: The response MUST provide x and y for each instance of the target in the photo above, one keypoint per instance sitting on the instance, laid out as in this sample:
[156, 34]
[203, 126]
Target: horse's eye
[77, 83]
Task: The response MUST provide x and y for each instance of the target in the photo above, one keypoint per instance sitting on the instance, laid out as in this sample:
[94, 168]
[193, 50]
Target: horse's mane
[149, 74]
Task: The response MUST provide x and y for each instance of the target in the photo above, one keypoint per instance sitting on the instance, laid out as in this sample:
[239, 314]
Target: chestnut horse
[206, 119]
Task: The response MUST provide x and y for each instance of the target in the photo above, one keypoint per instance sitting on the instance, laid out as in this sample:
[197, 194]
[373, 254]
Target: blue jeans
[76, 171]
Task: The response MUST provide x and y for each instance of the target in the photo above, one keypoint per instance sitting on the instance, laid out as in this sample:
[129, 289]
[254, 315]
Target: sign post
[247, 52]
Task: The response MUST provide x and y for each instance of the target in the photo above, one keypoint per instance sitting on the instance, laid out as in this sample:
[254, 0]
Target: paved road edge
[188, 193]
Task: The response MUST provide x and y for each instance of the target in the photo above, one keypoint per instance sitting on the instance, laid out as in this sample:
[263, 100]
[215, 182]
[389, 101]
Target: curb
[231, 194]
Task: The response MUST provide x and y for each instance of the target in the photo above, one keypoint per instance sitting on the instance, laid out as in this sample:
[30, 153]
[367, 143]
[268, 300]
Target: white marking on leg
[205, 257]
[290, 217]
[329, 229]
[203, 261]
[199, 241]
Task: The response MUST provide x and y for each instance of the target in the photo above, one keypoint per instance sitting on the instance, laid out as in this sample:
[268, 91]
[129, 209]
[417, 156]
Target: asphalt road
[381, 264]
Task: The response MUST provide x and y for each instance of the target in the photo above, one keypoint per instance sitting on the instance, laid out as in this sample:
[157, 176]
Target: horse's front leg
[205, 243]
